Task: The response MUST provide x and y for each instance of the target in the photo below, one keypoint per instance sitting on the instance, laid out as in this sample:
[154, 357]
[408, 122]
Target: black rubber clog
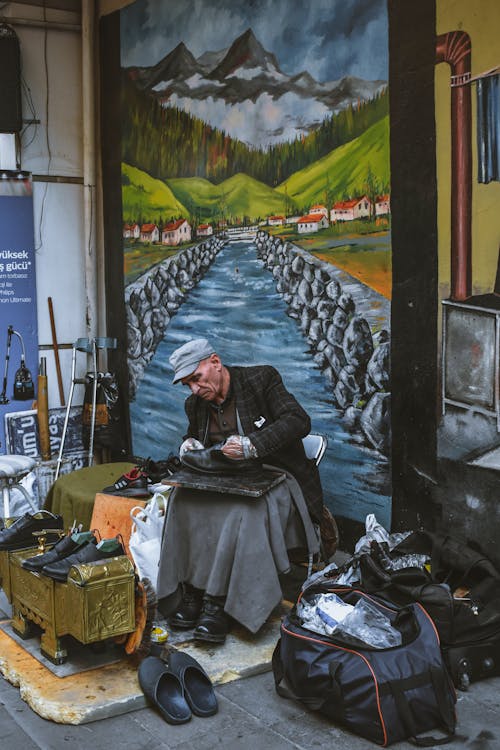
[198, 688]
[164, 690]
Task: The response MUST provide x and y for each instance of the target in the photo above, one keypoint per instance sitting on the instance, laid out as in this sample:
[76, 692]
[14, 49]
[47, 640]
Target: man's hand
[233, 448]
[191, 444]
[239, 447]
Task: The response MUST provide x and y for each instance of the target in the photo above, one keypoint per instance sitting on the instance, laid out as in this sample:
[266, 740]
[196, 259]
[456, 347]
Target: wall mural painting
[256, 209]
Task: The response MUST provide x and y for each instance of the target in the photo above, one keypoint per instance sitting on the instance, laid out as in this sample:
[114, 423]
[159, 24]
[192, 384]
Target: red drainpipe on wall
[454, 48]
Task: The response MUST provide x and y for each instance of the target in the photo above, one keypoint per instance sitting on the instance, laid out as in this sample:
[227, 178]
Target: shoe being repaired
[223, 553]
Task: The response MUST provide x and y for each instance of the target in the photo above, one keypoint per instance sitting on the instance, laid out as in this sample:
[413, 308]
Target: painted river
[238, 309]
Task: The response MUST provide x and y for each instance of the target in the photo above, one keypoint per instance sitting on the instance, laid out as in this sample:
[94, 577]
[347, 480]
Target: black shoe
[63, 548]
[213, 622]
[89, 553]
[158, 470]
[214, 461]
[20, 534]
[132, 484]
[189, 609]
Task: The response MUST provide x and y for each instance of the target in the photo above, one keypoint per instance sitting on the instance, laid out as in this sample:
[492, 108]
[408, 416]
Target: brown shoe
[329, 534]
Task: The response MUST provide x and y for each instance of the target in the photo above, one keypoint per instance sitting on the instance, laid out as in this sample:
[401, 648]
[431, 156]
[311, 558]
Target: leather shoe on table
[213, 622]
[214, 461]
[63, 548]
[20, 533]
[89, 553]
[186, 615]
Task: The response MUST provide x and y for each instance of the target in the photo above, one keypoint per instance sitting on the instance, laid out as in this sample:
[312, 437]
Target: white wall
[51, 64]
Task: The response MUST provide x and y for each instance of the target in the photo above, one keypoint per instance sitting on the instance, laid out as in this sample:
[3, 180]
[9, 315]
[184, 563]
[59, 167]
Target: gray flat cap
[187, 357]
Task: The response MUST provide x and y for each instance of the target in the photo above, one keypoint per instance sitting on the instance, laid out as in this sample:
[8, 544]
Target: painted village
[319, 217]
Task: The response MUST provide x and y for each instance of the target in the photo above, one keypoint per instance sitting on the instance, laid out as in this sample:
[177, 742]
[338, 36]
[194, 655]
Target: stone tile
[114, 689]
[478, 715]
[99, 735]
[262, 739]
[11, 734]
[76, 699]
[242, 655]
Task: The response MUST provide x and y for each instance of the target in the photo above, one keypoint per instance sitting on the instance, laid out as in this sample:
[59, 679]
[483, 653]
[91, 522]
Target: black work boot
[188, 611]
[213, 622]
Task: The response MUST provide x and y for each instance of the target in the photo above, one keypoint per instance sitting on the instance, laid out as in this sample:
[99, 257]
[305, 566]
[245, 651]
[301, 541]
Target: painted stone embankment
[355, 361]
[154, 298]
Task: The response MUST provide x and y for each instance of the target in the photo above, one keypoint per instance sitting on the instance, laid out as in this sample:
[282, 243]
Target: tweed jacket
[273, 420]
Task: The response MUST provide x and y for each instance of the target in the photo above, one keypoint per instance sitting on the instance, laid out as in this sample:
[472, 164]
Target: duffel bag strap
[285, 691]
[398, 688]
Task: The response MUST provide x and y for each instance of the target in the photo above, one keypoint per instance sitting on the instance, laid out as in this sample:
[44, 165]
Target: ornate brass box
[96, 602]
[5, 571]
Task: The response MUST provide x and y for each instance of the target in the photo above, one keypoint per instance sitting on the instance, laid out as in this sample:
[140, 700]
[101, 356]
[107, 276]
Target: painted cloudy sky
[328, 38]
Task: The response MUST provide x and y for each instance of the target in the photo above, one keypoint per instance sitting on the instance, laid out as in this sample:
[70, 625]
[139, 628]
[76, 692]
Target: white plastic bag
[145, 537]
[375, 532]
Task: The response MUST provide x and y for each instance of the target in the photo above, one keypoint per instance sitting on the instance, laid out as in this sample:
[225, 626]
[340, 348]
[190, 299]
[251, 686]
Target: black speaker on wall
[11, 120]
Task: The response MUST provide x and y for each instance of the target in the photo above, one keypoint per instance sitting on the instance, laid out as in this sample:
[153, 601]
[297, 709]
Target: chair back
[315, 446]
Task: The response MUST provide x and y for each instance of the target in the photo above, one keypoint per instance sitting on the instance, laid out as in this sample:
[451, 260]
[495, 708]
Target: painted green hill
[146, 198]
[342, 173]
[347, 169]
[239, 196]
[198, 195]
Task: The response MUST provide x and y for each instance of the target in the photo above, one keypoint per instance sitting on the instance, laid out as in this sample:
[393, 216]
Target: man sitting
[222, 554]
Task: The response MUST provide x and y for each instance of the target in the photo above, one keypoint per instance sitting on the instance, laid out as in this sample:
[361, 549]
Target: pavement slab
[114, 689]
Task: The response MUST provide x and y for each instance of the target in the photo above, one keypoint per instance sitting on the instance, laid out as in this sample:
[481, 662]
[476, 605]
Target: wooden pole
[56, 352]
[43, 412]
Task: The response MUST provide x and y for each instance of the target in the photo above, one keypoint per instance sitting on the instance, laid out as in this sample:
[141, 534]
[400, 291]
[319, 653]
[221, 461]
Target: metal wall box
[470, 356]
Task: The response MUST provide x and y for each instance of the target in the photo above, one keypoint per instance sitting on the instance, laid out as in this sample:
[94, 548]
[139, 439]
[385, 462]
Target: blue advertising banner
[18, 315]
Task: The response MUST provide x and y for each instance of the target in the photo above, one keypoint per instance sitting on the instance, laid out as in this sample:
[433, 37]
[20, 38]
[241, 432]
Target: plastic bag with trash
[327, 614]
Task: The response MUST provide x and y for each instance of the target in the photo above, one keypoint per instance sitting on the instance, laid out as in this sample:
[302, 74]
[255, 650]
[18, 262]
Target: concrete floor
[251, 717]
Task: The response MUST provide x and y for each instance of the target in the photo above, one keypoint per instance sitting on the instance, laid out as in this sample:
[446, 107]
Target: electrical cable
[31, 106]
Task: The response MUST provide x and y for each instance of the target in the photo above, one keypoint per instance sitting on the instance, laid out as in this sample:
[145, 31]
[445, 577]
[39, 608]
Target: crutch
[89, 347]
[100, 342]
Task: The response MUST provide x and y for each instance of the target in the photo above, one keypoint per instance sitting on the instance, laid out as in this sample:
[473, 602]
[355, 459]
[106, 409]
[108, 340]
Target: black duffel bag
[385, 695]
[461, 592]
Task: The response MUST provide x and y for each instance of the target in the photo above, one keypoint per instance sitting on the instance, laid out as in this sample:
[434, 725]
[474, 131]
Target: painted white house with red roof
[131, 231]
[319, 208]
[275, 221]
[382, 205]
[176, 232]
[312, 223]
[356, 208]
[149, 233]
[204, 230]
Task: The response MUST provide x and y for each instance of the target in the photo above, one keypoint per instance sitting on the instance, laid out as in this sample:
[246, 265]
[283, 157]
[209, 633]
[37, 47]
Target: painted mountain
[242, 91]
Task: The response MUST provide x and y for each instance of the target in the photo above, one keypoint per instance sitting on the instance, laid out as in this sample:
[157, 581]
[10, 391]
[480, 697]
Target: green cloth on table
[72, 495]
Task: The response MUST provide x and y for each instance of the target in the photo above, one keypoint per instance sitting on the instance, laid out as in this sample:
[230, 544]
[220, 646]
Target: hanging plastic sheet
[488, 128]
